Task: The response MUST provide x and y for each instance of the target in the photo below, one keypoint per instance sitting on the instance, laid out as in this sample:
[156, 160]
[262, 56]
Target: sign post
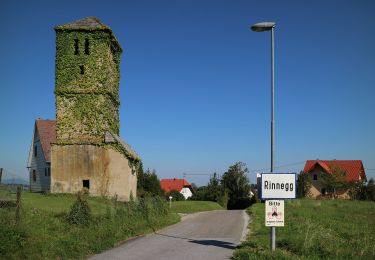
[275, 187]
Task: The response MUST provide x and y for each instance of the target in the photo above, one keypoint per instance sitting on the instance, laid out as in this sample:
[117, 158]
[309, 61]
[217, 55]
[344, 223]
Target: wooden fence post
[1, 174]
[18, 204]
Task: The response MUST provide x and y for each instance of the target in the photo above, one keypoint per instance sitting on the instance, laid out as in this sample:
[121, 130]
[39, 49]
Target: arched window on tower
[87, 46]
[76, 46]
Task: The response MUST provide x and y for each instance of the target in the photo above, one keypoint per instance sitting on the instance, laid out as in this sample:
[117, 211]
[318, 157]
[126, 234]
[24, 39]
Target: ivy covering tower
[87, 111]
[87, 82]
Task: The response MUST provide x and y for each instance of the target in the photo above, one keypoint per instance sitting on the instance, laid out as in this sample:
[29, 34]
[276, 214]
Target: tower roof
[90, 23]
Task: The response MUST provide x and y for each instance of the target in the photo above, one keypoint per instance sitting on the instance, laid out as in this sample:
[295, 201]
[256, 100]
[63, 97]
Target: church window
[82, 69]
[76, 46]
[87, 46]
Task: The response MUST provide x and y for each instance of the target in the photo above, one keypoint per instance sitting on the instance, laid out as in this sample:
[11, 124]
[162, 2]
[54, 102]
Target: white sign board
[278, 186]
[274, 213]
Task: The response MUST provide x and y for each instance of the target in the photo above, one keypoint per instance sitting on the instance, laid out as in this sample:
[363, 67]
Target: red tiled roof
[174, 184]
[47, 134]
[353, 168]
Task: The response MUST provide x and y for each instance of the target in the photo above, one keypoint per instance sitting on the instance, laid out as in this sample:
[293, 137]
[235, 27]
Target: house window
[315, 177]
[86, 184]
[76, 46]
[323, 191]
[34, 175]
[45, 172]
[35, 150]
[49, 171]
[87, 47]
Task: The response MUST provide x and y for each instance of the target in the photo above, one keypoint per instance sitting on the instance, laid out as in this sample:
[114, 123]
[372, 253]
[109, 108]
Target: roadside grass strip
[314, 229]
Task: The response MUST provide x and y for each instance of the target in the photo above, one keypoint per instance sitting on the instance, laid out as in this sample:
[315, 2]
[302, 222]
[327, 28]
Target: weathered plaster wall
[107, 170]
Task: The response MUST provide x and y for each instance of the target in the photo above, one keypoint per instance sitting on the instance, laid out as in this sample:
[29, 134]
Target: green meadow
[44, 232]
[314, 229]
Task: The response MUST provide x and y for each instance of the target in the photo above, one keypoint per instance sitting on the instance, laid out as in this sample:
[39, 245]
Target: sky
[195, 81]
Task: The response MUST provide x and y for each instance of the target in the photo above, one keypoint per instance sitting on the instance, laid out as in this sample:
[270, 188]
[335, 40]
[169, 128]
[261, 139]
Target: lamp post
[262, 27]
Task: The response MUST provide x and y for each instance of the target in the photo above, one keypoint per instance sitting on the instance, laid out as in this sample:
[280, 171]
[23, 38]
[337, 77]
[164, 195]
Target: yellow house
[352, 169]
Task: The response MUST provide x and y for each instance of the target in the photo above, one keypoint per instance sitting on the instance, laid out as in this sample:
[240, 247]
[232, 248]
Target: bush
[80, 212]
[176, 196]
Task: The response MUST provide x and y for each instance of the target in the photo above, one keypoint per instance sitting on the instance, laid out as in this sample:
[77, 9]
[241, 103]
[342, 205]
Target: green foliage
[176, 196]
[86, 86]
[236, 183]
[370, 190]
[314, 230]
[214, 191]
[303, 184]
[335, 181]
[148, 183]
[44, 233]
[80, 212]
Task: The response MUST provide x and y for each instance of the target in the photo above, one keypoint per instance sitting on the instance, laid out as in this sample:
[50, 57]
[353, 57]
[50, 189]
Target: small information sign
[274, 213]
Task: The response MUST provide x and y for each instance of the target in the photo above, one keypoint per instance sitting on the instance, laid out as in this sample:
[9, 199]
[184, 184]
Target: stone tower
[87, 82]
[88, 151]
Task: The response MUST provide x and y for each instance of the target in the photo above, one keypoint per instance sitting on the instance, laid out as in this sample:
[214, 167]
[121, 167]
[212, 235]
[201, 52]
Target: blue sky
[195, 81]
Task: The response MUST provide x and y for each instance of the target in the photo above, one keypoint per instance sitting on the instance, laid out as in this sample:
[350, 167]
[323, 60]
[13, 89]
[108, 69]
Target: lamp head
[262, 27]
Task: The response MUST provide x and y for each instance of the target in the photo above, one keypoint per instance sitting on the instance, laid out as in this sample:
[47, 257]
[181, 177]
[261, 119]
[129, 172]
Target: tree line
[232, 190]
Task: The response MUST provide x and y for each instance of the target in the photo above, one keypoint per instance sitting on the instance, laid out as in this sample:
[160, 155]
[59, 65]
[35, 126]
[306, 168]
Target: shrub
[176, 196]
[80, 212]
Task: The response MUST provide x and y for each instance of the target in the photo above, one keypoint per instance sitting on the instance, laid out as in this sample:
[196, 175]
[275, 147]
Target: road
[205, 235]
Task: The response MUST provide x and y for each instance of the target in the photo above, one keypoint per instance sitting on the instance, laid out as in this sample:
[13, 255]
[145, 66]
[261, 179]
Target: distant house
[180, 185]
[353, 170]
[39, 161]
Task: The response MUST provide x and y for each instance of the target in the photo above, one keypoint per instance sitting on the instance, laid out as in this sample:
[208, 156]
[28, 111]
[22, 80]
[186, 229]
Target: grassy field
[191, 206]
[44, 233]
[314, 230]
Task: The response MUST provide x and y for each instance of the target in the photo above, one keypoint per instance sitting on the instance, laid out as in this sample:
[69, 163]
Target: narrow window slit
[82, 69]
[76, 46]
[87, 47]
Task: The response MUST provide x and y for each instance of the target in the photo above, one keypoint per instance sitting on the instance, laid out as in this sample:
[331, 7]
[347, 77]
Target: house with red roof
[39, 160]
[180, 185]
[352, 169]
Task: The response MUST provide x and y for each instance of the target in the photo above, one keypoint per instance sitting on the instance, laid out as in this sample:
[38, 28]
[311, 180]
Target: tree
[370, 190]
[303, 184]
[148, 183]
[236, 183]
[335, 181]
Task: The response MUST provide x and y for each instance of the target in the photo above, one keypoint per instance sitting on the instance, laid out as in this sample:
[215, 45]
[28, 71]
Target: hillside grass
[192, 206]
[314, 229]
[45, 233]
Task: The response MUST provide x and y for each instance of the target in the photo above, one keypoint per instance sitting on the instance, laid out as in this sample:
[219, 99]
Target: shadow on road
[218, 243]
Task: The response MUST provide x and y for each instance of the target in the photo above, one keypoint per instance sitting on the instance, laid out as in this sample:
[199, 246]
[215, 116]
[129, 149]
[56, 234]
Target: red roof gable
[353, 168]
[174, 184]
[47, 135]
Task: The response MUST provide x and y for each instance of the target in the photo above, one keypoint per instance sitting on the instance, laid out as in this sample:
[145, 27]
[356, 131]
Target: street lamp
[262, 27]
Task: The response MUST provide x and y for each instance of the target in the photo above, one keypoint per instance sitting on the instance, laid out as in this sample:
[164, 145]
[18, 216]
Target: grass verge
[44, 233]
[314, 230]
[192, 206]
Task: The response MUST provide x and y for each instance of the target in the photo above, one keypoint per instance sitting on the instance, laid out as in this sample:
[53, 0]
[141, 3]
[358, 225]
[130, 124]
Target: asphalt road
[205, 235]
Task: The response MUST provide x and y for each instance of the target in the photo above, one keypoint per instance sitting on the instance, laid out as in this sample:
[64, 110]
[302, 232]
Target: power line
[279, 166]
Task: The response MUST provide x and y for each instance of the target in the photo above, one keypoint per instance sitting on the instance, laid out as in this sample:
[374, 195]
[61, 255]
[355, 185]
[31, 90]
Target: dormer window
[76, 46]
[87, 46]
